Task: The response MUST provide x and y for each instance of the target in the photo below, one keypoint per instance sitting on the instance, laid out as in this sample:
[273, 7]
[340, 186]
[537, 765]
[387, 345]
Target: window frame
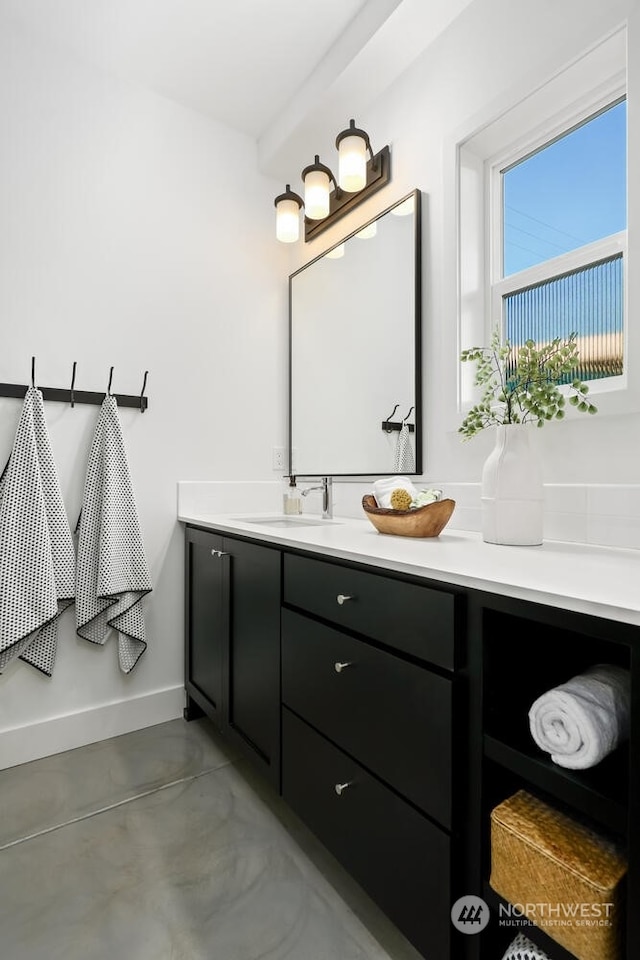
[529, 116]
[498, 286]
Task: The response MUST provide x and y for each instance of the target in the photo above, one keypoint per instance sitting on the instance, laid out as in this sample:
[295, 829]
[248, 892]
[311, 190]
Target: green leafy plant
[523, 385]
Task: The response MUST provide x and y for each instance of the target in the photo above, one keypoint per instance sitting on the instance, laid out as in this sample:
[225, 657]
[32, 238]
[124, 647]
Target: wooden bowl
[427, 521]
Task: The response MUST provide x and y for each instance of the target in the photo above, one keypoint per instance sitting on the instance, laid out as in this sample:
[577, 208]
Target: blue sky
[568, 194]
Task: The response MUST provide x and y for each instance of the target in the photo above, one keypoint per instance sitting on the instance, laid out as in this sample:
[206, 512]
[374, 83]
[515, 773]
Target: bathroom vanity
[382, 686]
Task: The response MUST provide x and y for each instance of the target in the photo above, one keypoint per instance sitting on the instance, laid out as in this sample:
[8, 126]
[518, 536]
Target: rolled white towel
[382, 489]
[584, 719]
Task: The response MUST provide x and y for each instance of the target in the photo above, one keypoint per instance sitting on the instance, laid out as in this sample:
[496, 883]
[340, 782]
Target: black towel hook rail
[17, 391]
[389, 425]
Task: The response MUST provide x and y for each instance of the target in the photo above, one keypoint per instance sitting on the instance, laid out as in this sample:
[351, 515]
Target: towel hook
[73, 380]
[143, 405]
[110, 379]
[387, 430]
[33, 371]
[407, 416]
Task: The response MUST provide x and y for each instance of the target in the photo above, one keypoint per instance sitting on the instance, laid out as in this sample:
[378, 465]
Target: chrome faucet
[327, 505]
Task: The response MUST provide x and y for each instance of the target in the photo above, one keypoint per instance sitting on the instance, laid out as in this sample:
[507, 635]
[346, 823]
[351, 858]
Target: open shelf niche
[528, 649]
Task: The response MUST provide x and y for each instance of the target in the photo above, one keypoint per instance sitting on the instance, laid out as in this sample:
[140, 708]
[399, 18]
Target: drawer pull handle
[218, 553]
[340, 666]
[341, 787]
[342, 598]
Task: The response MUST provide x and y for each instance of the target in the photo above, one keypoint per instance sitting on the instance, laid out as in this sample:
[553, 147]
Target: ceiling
[258, 66]
[237, 61]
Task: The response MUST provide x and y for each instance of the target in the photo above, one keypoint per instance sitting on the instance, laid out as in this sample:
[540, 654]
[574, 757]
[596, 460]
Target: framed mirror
[355, 358]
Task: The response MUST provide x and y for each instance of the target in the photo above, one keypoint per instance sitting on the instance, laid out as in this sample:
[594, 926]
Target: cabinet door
[206, 622]
[252, 666]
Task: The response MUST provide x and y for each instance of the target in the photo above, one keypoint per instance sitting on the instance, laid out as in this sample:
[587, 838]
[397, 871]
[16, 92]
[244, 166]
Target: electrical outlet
[277, 458]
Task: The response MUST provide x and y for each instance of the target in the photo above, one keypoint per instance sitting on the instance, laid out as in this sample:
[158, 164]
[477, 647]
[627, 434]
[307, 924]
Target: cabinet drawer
[407, 616]
[398, 856]
[394, 716]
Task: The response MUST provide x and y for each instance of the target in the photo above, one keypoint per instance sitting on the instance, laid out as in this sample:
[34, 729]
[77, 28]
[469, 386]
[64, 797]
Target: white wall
[496, 52]
[133, 233]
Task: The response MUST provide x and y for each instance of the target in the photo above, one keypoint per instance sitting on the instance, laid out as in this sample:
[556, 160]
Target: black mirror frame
[417, 196]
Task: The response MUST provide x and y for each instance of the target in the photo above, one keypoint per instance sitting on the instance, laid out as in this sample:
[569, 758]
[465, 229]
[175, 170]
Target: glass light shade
[352, 164]
[287, 221]
[316, 195]
[368, 231]
[336, 253]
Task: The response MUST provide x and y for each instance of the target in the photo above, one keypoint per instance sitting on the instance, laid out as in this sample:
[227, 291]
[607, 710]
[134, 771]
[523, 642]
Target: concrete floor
[158, 845]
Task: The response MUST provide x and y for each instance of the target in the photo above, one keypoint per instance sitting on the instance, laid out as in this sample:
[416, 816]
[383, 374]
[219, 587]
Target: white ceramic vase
[512, 491]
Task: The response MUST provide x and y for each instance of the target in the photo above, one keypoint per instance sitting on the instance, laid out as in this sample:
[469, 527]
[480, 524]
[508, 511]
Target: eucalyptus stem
[523, 386]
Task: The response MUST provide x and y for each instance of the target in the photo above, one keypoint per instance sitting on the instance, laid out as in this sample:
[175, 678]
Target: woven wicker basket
[565, 877]
[523, 949]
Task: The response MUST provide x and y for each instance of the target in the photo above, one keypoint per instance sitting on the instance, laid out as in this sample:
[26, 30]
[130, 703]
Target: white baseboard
[46, 737]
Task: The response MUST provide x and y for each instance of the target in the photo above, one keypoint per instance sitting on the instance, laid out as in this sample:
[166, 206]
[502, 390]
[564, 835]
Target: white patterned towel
[37, 559]
[584, 719]
[112, 574]
[404, 460]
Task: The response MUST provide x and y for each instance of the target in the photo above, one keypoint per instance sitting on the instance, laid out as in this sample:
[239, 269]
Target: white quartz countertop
[600, 581]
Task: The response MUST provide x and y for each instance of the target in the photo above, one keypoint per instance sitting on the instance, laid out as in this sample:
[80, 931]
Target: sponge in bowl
[382, 489]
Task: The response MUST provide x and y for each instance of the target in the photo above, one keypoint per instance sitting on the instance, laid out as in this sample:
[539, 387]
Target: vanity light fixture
[352, 145]
[358, 179]
[288, 206]
[317, 179]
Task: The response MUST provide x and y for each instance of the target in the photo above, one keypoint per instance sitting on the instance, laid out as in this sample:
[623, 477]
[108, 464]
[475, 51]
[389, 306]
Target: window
[559, 232]
[542, 225]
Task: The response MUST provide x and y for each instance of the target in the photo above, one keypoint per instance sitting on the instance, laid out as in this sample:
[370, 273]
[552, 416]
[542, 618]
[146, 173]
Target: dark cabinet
[404, 720]
[232, 650]
[338, 683]
[205, 625]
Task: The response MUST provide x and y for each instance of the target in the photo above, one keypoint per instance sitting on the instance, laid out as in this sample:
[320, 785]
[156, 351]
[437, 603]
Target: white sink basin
[284, 521]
